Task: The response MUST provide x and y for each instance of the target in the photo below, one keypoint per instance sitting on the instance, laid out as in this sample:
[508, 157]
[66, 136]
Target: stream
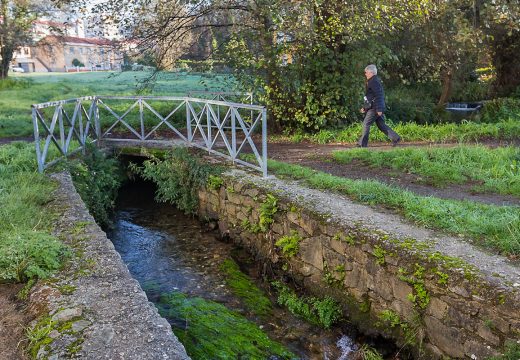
[169, 252]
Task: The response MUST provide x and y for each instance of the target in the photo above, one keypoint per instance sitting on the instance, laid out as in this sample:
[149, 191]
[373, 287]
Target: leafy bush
[29, 254]
[412, 104]
[97, 180]
[178, 177]
[500, 109]
[323, 312]
[27, 250]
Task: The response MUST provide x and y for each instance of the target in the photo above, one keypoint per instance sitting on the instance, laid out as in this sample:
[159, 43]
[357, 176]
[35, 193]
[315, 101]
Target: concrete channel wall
[388, 281]
[93, 308]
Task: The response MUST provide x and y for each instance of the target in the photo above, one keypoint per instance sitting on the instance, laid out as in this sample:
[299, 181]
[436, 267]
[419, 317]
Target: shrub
[97, 180]
[500, 109]
[26, 254]
[178, 177]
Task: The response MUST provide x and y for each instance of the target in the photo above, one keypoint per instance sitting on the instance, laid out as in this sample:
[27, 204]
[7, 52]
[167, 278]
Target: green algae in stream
[209, 330]
[242, 286]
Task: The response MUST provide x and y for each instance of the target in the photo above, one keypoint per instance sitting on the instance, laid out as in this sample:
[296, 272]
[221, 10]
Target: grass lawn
[19, 92]
[497, 170]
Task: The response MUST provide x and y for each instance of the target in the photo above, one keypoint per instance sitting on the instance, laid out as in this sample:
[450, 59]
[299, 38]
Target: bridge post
[233, 134]
[62, 129]
[264, 142]
[37, 140]
[208, 118]
[188, 121]
[141, 119]
[97, 123]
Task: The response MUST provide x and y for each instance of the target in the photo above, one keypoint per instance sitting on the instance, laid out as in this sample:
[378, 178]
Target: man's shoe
[395, 142]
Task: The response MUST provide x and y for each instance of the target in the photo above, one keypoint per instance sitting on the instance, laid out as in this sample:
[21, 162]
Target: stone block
[400, 289]
[478, 350]
[277, 228]
[311, 251]
[310, 225]
[403, 308]
[234, 198]
[252, 193]
[448, 339]
[352, 277]
[460, 290]
[460, 318]
[332, 258]
[437, 308]
[487, 334]
[338, 246]
[383, 286]
[357, 254]
[293, 218]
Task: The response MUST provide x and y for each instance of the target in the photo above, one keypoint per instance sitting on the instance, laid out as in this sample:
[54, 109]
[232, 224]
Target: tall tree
[16, 17]
[500, 22]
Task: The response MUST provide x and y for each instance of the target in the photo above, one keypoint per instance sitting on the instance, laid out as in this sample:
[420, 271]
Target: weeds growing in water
[209, 330]
[492, 226]
[497, 169]
[245, 289]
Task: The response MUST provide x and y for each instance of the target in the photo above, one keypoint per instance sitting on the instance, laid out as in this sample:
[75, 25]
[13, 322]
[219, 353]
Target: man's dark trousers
[371, 117]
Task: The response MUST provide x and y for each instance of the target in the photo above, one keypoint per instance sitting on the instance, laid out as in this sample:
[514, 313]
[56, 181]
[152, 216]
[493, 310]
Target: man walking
[374, 108]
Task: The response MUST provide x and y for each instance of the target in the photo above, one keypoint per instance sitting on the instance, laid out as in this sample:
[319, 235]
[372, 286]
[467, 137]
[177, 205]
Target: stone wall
[397, 286]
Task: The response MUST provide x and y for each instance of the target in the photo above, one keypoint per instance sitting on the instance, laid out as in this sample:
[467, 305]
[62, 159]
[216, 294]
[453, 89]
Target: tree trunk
[447, 78]
[6, 53]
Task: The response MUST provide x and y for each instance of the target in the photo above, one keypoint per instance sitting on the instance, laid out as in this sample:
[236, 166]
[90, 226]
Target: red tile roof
[78, 40]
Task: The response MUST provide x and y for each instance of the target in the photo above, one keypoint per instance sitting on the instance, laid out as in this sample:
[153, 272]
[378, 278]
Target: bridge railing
[220, 127]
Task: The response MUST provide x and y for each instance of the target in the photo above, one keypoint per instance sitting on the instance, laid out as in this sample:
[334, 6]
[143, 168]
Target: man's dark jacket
[375, 94]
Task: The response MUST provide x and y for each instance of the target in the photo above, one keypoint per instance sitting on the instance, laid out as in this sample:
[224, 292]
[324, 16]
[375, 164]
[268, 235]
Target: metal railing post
[141, 117]
[37, 141]
[62, 129]
[188, 122]
[208, 118]
[264, 142]
[97, 121]
[233, 134]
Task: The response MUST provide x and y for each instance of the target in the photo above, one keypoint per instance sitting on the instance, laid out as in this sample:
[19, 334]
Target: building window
[71, 50]
[81, 50]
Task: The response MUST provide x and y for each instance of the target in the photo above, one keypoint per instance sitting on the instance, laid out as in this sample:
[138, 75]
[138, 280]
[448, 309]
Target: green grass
[27, 250]
[503, 129]
[209, 330]
[18, 93]
[497, 169]
[495, 227]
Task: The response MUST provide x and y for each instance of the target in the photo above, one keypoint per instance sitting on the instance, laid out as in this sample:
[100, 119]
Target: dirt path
[14, 319]
[317, 157]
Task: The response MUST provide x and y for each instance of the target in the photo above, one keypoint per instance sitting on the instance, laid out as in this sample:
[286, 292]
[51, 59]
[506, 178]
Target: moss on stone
[242, 286]
[209, 330]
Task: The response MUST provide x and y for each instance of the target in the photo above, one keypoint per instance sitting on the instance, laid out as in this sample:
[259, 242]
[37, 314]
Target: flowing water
[167, 251]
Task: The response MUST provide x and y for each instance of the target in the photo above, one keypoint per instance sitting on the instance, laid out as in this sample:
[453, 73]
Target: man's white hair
[372, 68]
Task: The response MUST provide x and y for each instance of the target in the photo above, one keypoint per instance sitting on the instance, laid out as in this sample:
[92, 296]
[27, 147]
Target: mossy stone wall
[437, 305]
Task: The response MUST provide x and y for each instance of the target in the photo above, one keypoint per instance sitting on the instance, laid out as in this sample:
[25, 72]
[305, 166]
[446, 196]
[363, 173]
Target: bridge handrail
[204, 125]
